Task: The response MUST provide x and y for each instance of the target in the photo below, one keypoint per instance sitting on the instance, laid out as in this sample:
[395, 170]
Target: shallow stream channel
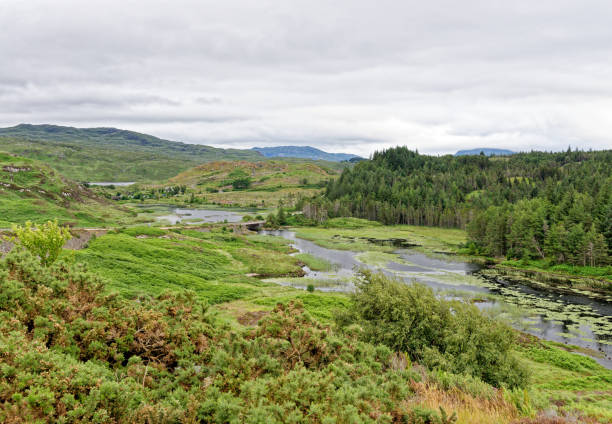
[567, 318]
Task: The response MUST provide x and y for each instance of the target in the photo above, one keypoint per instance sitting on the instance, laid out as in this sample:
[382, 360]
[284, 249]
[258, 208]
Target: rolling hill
[303, 152]
[110, 154]
[255, 183]
[32, 191]
[263, 174]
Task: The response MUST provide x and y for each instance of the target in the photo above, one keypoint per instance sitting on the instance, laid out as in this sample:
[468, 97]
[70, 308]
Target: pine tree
[555, 245]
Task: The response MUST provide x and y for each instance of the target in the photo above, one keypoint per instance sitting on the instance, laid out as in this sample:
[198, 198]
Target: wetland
[570, 318]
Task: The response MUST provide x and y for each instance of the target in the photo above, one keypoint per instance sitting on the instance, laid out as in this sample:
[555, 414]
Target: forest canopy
[529, 205]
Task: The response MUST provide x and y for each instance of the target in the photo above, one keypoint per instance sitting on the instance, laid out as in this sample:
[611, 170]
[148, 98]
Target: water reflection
[106, 183]
[196, 216]
[563, 317]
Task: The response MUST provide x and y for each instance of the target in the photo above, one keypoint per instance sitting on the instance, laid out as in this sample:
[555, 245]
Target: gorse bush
[446, 335]
[71, 352]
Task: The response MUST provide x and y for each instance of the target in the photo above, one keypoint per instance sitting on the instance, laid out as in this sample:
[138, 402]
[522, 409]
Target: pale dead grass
[470, 410]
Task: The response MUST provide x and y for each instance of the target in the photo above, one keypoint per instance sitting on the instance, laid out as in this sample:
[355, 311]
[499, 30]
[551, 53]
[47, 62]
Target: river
[567, 318]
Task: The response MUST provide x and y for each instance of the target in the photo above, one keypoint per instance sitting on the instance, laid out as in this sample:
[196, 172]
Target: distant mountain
[303, 152]
[110, 154]
[486, 151]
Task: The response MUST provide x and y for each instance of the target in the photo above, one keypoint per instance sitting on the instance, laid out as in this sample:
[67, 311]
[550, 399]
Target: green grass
[31, 191]
[215, 265]
[353, 234]
[272, 181]
[350, 223]
[315, 263]
[144, 261]
[543, 265]
[264, 174]
[108, 154]
[144, 231]
[573, 382]
[320, 305]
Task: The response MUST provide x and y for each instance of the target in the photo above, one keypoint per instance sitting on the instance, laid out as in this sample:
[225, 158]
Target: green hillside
[263, 175]
[251, 183]
[30, 190]
[265, 183]
[110, 154]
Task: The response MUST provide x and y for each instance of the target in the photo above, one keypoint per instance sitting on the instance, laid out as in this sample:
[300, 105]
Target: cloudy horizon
[348, 76]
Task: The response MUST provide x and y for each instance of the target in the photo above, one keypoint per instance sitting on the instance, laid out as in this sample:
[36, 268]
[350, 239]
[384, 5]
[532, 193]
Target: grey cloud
[347, 75]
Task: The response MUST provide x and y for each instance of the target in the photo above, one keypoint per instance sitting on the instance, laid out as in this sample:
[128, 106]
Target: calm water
[105, 183]
[567, 318]
[196, 216]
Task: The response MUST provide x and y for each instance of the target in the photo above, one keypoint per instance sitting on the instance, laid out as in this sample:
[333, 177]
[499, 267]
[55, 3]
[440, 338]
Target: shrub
[446, 335]
[241, 183]
[271, 221]
[281, 216]
[420, 415]
[45, 241]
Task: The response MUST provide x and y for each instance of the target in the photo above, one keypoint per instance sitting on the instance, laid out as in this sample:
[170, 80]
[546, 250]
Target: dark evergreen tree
[529, 205]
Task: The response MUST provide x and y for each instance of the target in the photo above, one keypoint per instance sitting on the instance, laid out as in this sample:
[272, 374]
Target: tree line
[528, 205]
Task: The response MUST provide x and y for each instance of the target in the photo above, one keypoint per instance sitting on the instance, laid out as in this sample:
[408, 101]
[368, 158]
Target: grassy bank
[602, 272]
[315, 263]
[361, 235]
[569, 381]
[541, 279]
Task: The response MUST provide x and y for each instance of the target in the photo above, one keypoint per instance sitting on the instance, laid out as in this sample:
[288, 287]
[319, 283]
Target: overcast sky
[345, 76]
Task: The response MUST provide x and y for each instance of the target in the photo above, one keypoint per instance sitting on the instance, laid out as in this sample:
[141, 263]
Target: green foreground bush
[45, 240]
[447, 335]
[70, 353]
